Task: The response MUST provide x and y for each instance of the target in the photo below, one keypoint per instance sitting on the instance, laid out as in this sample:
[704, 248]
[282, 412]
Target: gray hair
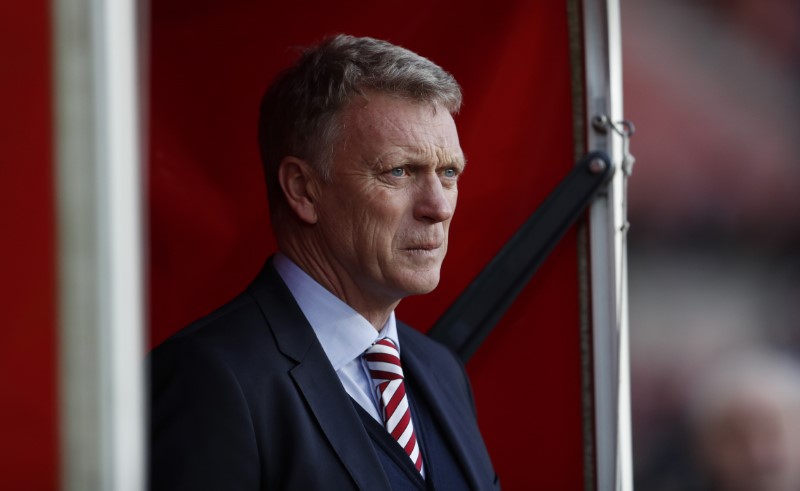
[757, 372]
[299, 110]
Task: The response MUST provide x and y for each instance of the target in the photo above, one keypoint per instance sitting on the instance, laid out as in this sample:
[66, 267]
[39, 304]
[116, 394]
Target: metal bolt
[597, 165]
[600, 123]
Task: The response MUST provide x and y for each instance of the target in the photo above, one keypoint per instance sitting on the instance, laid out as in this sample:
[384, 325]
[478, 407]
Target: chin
[421, 284]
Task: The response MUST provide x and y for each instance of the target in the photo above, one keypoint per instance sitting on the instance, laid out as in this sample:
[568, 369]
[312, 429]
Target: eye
[398, 172]
[449, 172]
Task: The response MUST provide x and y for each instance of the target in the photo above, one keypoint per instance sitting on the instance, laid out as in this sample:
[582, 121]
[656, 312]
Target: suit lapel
[317, 381]
[457, 424]
[339, 421]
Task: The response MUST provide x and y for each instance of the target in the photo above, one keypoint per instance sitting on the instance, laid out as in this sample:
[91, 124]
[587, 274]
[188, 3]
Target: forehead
[383, 127]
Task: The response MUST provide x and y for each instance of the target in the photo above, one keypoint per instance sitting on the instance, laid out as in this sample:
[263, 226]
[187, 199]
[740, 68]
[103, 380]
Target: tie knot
[383, 360]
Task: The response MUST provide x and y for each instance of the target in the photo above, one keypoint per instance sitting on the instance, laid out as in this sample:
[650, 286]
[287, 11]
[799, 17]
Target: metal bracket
[473, 315]
[624, 128]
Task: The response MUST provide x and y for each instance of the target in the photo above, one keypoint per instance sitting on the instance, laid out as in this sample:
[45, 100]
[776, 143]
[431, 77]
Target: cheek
[375, 224]
[453, 199]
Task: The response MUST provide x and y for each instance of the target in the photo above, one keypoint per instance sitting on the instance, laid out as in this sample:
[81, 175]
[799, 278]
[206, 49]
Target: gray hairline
[717, 388]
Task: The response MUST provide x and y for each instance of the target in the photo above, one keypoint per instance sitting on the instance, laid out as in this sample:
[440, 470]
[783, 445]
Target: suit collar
[317, 381]
[291, 330]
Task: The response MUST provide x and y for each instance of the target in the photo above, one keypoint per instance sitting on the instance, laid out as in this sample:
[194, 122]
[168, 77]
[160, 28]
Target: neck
[334, 279]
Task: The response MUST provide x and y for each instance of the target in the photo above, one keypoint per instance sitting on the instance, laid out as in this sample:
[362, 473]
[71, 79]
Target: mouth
[423, 249]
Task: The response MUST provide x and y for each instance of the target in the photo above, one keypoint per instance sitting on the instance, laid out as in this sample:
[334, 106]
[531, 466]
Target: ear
[299, 183]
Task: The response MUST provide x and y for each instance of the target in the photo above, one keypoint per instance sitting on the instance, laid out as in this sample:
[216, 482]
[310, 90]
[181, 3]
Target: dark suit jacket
[246, 399]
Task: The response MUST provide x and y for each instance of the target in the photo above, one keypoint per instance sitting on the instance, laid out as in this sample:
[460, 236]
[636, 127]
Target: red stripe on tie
[384, 357]
[387, 342]
[410, 445]
[381, 375]
[401, 426]
[396, 398]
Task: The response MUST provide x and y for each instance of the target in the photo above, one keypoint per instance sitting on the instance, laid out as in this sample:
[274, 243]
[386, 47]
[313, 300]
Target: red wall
[28, 433]
[209, 230]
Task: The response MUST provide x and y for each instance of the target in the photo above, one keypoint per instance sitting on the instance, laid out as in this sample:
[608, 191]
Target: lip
[423, 247]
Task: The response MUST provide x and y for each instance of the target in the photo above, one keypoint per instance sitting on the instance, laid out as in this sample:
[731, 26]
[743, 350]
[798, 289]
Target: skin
[377, 232]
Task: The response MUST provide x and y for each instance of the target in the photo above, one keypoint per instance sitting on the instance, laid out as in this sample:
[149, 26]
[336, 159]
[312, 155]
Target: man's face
[385, 216]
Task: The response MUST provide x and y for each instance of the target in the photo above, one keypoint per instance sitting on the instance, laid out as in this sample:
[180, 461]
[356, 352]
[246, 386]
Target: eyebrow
[461, 160]
[393, 157]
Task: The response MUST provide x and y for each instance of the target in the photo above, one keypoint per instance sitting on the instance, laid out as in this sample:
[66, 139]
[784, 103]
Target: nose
[434, 202]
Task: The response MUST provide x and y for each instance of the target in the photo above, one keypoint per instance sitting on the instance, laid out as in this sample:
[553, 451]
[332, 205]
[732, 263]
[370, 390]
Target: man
[298, 383]
[744, 422]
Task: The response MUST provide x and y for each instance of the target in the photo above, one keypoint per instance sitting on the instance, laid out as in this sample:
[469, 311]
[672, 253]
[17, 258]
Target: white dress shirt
[343, 333]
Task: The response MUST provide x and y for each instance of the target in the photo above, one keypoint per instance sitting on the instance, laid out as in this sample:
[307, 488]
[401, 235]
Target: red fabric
[28, 411]
[209, 227]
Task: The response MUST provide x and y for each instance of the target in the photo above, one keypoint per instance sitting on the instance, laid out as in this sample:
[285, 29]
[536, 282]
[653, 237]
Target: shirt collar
[343, 333]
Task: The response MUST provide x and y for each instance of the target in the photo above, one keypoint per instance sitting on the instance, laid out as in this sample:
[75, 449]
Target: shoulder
[436, 363]
[236, 325]
[422, 345]
[201, 400]
[432, 354]
[234, 344]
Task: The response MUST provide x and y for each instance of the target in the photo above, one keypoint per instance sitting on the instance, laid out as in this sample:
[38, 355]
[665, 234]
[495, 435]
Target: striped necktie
[383, 361]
